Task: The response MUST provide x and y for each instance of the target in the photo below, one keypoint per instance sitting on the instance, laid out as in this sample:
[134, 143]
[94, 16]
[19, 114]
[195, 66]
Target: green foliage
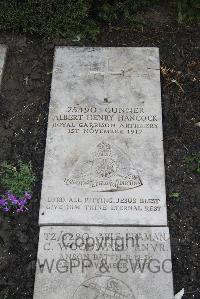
[114, 10]
[194, 159]
[175, 195]
[47, 18]
[17, 179]
[188, 11]
[123, 11]
[80, 18]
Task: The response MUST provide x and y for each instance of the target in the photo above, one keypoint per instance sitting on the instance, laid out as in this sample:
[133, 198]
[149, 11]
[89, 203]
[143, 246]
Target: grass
[47, 18]
[81, 18]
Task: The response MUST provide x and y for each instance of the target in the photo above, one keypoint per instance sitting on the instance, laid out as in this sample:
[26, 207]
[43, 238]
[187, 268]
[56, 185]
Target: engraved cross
[106, 75]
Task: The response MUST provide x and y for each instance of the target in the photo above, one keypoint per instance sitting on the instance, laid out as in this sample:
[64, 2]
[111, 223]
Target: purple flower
[9, 201]
[3, 202]
[27, 195]
[22, 209]
[12, 197]
[22, 202]
[6, 209]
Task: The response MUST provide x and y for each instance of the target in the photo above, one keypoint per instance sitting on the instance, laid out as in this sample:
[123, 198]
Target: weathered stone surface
[2, 59]
[104, 151]
[103, 262]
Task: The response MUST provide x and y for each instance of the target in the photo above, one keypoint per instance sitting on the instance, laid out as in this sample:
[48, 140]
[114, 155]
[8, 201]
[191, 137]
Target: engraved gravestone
[103, 262]
[104, 150]
[2, 59]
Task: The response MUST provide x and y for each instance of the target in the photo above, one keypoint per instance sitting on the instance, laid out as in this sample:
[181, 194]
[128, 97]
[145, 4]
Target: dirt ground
[24, 101]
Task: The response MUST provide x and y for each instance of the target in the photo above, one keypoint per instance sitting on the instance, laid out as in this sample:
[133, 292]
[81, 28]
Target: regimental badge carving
[104, 168]
[103, 287]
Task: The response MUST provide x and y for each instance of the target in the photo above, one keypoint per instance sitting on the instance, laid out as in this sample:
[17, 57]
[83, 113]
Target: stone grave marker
[104, 149]
[103, 208]
[2, 59]
[103, 262]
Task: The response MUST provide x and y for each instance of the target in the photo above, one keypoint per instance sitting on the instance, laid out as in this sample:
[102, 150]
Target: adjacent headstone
[103, 262]
[2, 59]
[104, 149]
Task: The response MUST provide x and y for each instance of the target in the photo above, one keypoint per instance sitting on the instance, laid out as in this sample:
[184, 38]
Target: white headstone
[2, 59]
[104, 150]
[103, 262]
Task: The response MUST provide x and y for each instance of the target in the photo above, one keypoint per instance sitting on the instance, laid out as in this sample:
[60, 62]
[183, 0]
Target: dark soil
[24, 102]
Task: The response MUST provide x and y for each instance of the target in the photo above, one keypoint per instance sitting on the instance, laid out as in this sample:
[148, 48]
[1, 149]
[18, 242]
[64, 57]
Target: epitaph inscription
[104, 152]
[103, 262]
